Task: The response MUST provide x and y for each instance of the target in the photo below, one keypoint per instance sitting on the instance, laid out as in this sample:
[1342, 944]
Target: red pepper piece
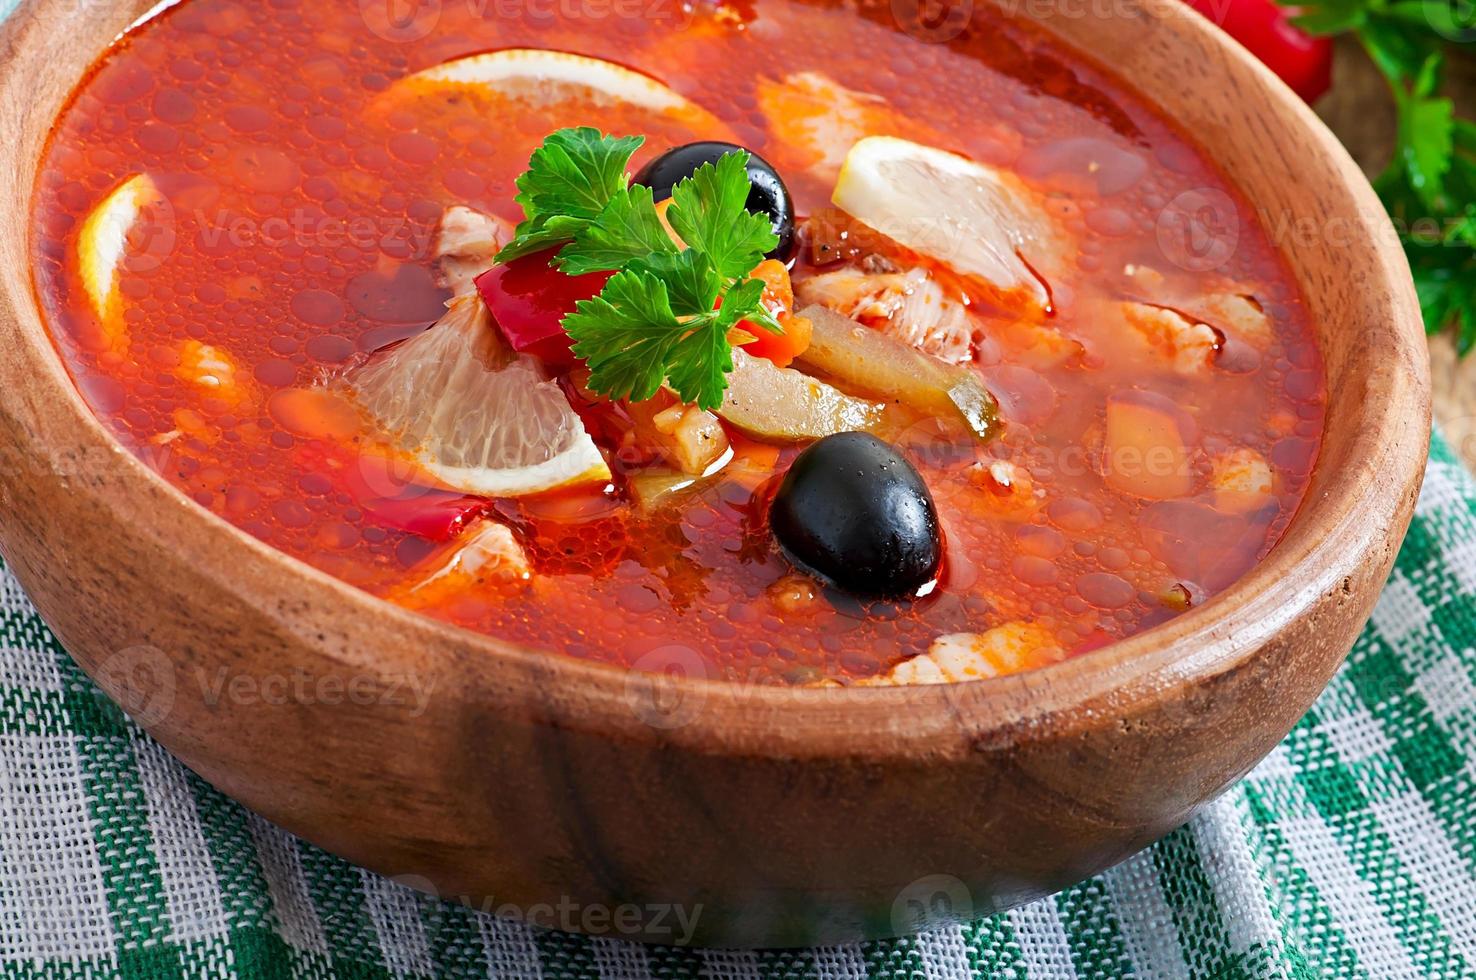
[1265, 29]
[528, 297]
[439, 515]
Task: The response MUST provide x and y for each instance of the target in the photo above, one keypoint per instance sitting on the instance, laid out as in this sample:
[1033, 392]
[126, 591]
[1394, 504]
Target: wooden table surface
[1360, 111]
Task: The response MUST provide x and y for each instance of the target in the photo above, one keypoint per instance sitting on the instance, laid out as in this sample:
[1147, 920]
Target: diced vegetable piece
[1146, 446]
[1177, 597]
[688, 438]
[657, 486]
[215, 373]
[778, 299]
[873, 362]
[1009, 491]
[528, 298]
[315, 413]
[783, 405]
[795, 595]
[783, 348]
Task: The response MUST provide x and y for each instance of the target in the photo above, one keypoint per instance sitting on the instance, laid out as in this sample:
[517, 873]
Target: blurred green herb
[1429, 186]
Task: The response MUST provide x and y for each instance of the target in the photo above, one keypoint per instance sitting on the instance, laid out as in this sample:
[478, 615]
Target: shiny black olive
[853, 510]
[767, 196]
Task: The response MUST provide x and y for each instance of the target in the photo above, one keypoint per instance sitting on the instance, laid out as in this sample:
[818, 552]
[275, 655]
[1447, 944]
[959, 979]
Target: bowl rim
[1315, 551]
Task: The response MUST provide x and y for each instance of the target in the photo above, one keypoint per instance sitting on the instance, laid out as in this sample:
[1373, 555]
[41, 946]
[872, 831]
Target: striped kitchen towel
[1349, 853]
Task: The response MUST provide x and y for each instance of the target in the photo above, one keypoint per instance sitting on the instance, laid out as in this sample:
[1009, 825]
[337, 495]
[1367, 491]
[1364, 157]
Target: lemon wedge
[541, 77]
[474, 416]
[980, 222]
[102, 244]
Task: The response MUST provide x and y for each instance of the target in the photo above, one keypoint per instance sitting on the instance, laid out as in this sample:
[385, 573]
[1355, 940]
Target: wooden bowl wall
[779, 817]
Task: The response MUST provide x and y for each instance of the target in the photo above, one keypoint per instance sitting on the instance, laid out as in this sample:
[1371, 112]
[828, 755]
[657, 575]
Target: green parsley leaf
[570, 179]
[708, 211]
[1426, 146]
[663, 318]
[633, 341]
[703, 357]
[626, 335]
[691, 281]
[628, 228]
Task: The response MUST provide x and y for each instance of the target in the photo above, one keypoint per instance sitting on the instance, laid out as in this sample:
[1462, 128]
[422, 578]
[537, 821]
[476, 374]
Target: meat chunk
[1009, 492]
[1229, 307]
[817, 117]
[1188, 346]
[466, 241]
[486, 554]
[1242, 481]
[1239, 315]
[909, 306]
[1008, 649]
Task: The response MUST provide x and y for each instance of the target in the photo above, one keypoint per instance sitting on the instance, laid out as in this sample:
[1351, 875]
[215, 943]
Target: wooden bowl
[771, 816]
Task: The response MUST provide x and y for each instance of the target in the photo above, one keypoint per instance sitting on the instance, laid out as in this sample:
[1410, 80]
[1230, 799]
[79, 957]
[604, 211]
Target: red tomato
[528, 298]
[1264, 28]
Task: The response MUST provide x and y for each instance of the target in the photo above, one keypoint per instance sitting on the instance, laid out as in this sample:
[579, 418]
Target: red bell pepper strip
[439, 515]
[528, 298]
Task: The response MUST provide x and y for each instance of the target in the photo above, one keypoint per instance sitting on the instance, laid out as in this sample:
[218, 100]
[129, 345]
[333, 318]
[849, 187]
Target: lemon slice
[542, 77]
[102, 244]
[979, 221]
[472, 415]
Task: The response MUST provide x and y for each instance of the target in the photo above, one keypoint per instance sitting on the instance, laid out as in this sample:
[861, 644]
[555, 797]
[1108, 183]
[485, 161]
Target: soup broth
[244, 202]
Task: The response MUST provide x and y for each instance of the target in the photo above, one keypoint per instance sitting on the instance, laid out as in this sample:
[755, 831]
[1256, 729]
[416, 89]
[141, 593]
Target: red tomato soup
[1093, 388]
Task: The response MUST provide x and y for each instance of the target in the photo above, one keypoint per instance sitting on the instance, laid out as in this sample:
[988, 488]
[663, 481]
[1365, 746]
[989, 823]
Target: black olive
[767, 196]
[853, 510]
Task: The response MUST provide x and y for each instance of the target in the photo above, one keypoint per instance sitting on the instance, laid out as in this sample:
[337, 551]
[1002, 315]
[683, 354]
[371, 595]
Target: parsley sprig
[1429, 186]
[663, 318]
